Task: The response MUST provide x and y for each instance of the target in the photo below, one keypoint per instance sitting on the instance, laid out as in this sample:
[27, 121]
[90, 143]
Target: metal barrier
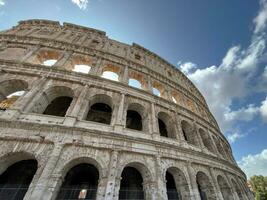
[128, 194]
[14, 192]
[77, 194]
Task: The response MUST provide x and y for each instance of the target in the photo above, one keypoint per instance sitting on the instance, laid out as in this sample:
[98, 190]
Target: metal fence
[15, 192]
[77, 194]
[128, 194]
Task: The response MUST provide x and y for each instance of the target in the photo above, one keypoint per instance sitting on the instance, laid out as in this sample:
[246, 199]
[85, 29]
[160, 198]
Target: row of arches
[87, 65]
[59, 100]
[82, 180]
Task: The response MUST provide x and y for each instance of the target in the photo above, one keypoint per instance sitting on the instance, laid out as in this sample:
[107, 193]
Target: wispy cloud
[254, 164]
[232, 79]
[82, 4]
[2, 3]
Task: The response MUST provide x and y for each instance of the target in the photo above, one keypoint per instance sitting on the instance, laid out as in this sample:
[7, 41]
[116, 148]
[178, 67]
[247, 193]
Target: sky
[219, 45]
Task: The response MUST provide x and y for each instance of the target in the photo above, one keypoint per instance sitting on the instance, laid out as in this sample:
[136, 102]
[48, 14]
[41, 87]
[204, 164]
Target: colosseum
[83, 116]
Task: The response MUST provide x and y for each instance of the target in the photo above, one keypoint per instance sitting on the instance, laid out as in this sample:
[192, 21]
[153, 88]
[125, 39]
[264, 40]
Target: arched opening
[162, 128]
[225, 189]
[205, 188]
[237, 190]
[218, 146]
[166, 127]
[137, 80]
[134, 120]
[80, 182]
[15, 181]
[59, 106]
[171, 187]
[85, 69]
[177, 188]
[100, 112]
[131, 187]
[189, 133]
[46, 57]
[10, 91]
[135, 83]
[156, 92]
[206, 140]
[110, 75]
[53, 101]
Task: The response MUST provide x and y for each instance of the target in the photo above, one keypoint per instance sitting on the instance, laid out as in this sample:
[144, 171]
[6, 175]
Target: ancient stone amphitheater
[87, 117]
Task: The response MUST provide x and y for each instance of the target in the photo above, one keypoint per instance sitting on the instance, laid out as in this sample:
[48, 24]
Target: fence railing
[128, 194]
[77, 194]
[13, 192]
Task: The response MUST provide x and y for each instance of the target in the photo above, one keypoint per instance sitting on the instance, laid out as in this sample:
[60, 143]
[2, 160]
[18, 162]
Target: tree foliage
[259, 187]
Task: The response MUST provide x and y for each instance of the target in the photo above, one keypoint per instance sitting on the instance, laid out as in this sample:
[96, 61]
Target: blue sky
[219, 45]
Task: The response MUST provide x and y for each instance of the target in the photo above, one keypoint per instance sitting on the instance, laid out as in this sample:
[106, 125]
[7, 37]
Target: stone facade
[193, 151]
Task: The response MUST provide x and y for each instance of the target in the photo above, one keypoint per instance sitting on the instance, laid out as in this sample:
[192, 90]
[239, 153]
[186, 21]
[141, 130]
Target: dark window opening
[202, 193]
[162, 128]
[184, 133]
[80, 183]
[134, 120]
[171, 187]
[100, 112]
[58, 107]
[15, 181]
[131, 187]
[137, 57]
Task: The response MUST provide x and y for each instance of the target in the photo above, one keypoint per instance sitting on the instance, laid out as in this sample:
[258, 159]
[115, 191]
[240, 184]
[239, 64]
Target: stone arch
[17, 173]
[100, 109]
[159, 87]
[79, 63]
[11, 86]
[189, 133]
[136, 113]
[146, 191]
[181, 184]
[56, 99]
[166, 125]
[44, 55]
[139, 78]
[79, 164]
[218, 145]
[205, 187]
[224, 188]
[206, 140]
[111, 72]
[237, 189]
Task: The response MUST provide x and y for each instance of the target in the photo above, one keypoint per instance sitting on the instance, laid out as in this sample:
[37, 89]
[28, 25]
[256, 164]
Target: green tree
[259, 187]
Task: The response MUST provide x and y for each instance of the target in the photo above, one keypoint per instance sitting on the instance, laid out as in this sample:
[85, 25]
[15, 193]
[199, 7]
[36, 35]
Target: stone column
[150, 190]
[72, 114]
[149, 87]
[63, 60]
[160, 179]
[20, 105]
[154, 128]
[179, 133]
[214, 182]
[45, 186]
[194, 192]
[112, 192]
[199, 139]
[118, 114]
[97, 69]
[124, 78]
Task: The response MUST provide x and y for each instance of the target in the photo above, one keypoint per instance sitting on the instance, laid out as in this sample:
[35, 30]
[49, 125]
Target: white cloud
[82, 4]
[2, 3]
[261, 19]
[254, 164]
[231, 80]
[187, 67]
[233, 137]
[243, 114]
[263, 109]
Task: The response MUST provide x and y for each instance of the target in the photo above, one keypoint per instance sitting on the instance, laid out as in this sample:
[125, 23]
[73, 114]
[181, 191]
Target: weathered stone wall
[59, 143]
